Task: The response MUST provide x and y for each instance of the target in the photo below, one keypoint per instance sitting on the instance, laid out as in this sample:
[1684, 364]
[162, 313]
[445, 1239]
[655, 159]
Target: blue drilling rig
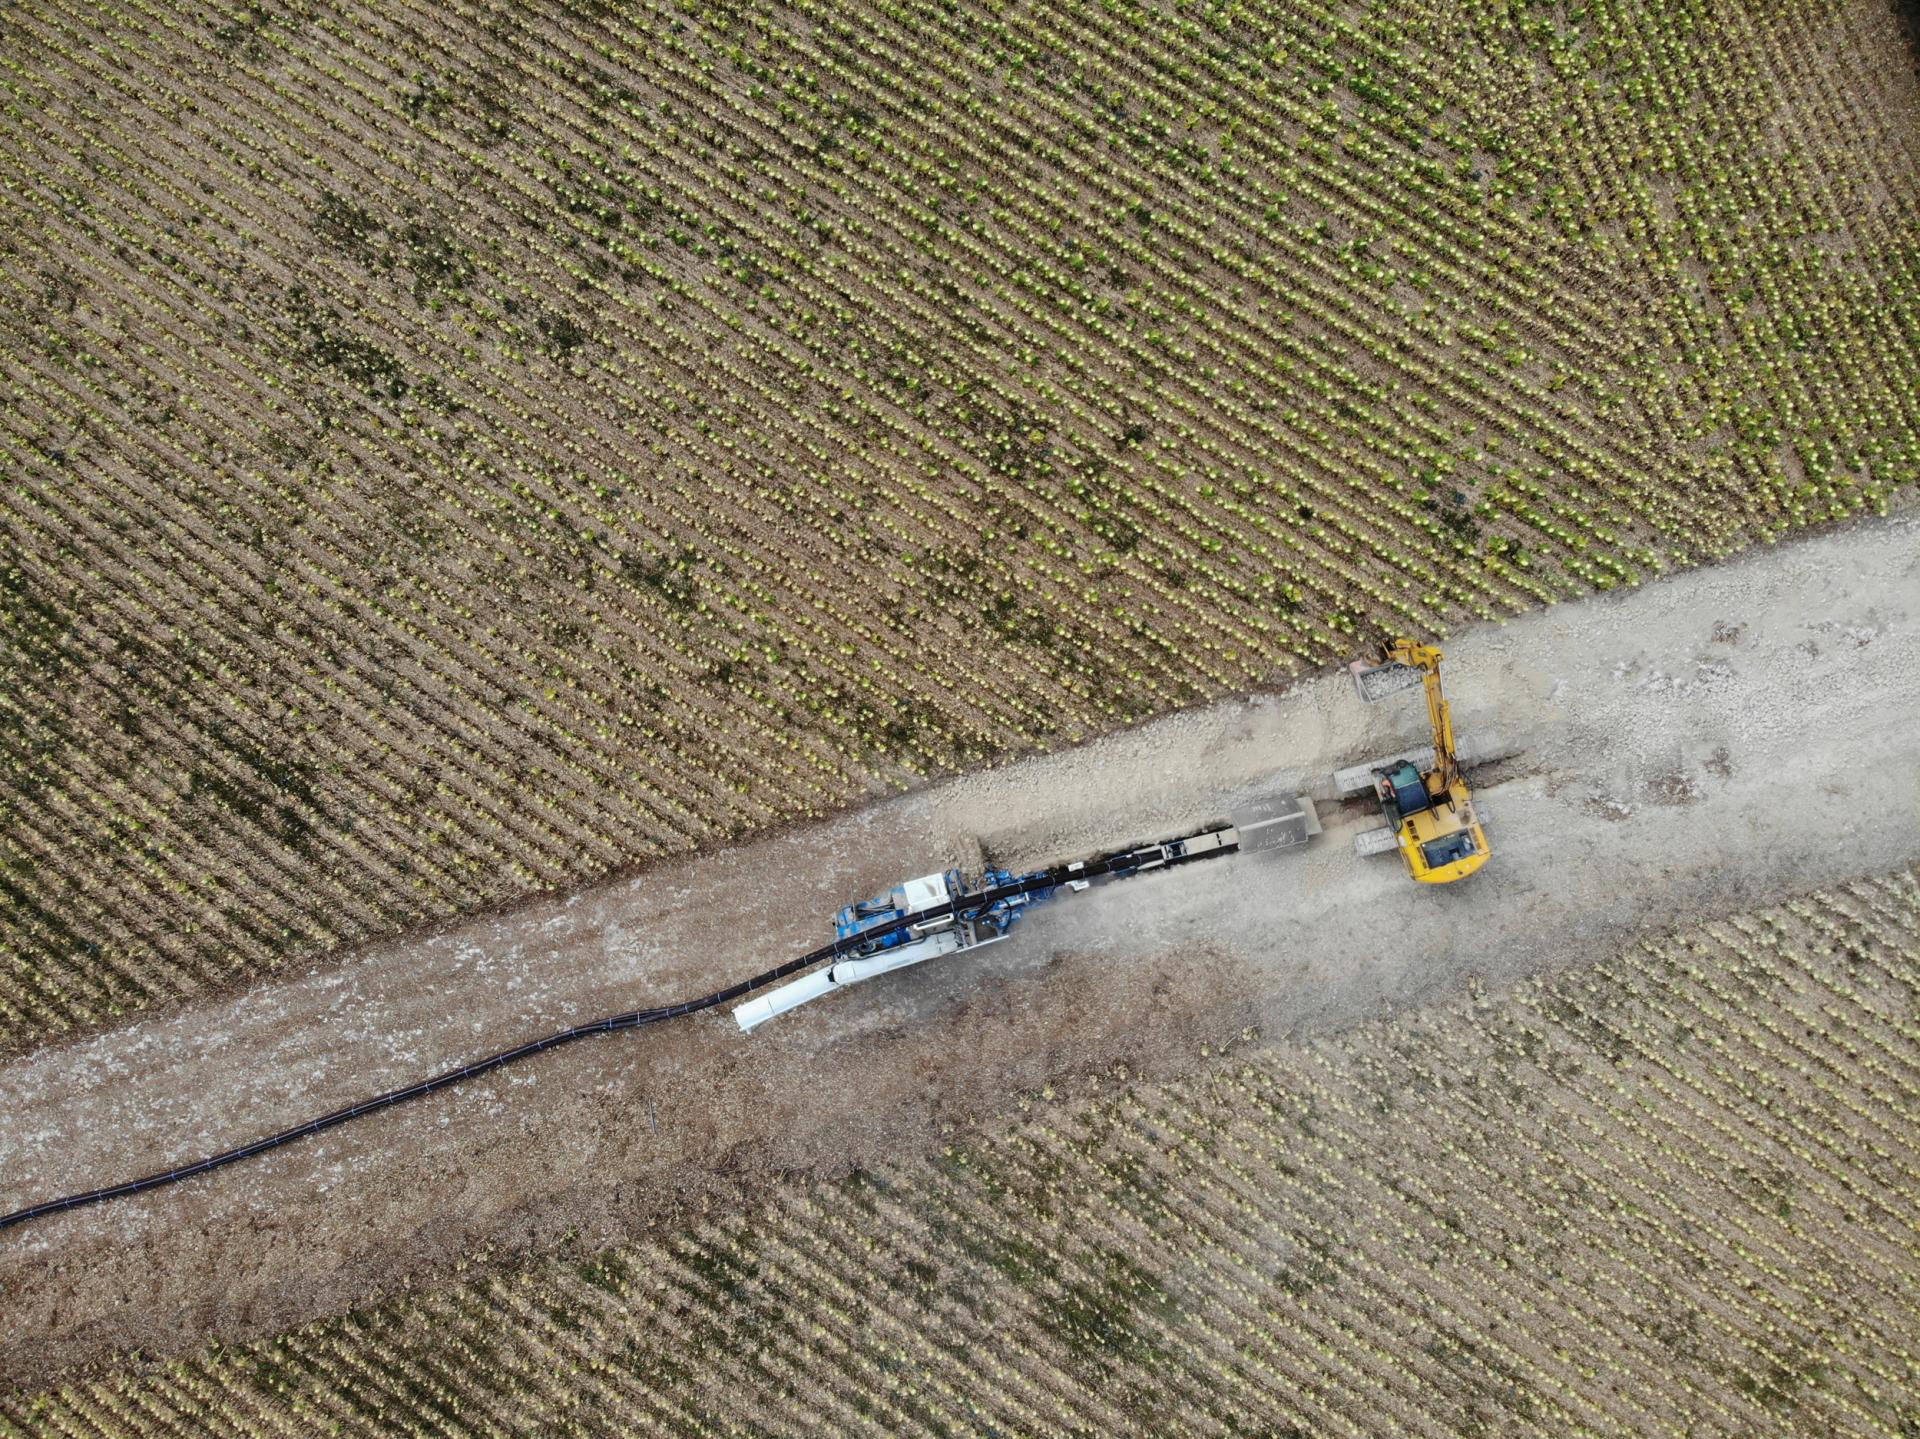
[943, 913]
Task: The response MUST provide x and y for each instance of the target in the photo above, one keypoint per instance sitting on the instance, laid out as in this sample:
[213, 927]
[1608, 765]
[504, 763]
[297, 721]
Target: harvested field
[468, 463]
[1672, 1194]
[457, 450]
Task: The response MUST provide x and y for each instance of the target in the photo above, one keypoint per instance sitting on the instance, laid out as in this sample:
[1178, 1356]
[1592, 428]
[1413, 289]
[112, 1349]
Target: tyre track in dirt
[1700, 745]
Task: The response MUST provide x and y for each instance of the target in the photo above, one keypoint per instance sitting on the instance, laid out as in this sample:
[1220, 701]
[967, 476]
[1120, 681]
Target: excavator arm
[1426, 659]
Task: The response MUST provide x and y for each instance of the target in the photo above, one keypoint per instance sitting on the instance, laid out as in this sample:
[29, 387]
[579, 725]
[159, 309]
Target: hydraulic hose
[633, 1020]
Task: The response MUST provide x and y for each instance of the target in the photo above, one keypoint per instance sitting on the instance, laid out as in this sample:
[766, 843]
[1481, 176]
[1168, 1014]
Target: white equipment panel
[925, 892]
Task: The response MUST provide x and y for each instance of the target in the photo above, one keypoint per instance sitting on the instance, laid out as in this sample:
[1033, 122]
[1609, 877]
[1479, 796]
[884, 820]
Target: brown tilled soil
[1776, 693]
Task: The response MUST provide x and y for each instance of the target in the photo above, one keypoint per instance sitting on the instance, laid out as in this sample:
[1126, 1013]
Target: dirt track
[1699, 745]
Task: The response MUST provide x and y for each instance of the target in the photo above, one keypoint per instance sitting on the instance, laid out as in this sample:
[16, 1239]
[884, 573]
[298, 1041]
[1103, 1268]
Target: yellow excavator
[1430, 816]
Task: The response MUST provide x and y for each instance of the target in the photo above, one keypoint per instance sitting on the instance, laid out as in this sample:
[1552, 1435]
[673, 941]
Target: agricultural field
[1669, 1194]
[456, 450]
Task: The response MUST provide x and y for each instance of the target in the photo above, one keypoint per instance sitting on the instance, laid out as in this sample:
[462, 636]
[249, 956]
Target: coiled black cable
[1121, 864]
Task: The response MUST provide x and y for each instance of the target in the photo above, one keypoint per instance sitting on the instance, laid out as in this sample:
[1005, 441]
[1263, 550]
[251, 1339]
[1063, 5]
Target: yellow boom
[1426, 659]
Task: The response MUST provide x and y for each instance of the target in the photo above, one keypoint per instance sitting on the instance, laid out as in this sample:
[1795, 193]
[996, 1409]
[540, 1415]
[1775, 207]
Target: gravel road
[1647, 758]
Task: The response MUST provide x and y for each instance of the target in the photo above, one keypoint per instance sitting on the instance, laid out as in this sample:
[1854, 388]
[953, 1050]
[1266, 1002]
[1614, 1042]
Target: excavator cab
[1407, 790]
[1434, 828]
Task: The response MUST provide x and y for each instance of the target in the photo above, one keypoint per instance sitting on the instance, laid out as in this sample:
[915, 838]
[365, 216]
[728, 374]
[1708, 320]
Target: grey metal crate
[1279, 823]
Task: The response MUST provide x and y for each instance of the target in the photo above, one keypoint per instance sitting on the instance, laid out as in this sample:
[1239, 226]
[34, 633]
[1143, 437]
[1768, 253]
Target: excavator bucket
[1376, 682]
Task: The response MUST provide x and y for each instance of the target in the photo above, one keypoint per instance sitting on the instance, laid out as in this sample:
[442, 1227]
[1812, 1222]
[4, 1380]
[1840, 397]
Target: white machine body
[949, 939]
